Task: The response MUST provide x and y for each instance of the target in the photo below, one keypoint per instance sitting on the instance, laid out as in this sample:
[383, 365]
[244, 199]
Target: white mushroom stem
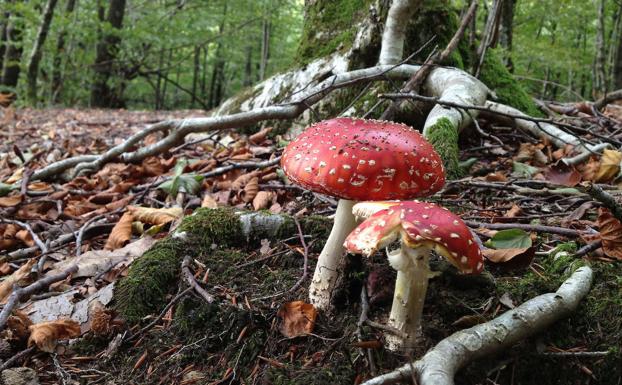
[411, 286]
[326, 270]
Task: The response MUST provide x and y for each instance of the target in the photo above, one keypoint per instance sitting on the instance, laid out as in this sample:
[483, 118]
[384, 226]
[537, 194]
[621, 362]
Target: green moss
[496, 76]
[150, 279]
[154, 275]
[329, 26]
[444, 137]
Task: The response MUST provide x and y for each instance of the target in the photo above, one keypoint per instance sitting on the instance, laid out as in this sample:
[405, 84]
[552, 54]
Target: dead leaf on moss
[155, 216]
[609, 167]
[298, 318]
[510, 259]
[45, 335]
[610, 233]
[209, 202]
[121, 232]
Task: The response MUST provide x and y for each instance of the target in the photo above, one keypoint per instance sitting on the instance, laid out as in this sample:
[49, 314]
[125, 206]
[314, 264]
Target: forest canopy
[195, 53]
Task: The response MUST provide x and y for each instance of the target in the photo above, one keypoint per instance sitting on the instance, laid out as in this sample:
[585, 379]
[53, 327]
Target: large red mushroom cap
[419, 224]
[361, 159]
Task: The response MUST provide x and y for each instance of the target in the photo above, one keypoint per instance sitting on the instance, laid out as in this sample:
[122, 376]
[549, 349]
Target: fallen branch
[440, 364]
[21, 292]
[603, 197]
[527, 227]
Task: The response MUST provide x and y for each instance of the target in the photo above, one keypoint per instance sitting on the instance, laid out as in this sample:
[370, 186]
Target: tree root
[440, 364]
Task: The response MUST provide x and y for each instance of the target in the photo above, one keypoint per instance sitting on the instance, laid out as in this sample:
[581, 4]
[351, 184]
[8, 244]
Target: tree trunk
[506, 31]
[195, 74]
[3, 37]
[57, 72]
[102, 95]
[215, 89]
[248, 67]
[616, 67]
[13, 52]
[265, 47]
[600, 83]
[35, 54]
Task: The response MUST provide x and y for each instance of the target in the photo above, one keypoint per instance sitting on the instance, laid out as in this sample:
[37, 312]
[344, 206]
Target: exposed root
[440, 364]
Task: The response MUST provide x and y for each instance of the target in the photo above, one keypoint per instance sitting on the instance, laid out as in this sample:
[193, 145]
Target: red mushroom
[421, 227]
[356, 159]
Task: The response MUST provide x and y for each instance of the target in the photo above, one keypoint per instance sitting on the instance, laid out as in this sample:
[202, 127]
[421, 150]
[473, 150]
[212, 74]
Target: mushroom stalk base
[325, 276]
[410, 290]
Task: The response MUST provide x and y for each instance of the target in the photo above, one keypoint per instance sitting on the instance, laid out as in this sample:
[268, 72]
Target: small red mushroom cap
[361, 159]
[419, 224]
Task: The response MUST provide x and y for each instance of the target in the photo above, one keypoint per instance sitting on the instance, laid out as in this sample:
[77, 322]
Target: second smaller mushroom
[421, 227]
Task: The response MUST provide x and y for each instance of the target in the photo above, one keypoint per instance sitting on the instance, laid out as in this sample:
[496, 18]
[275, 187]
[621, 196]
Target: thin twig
[9, 363]
[185, 267]
[305, 256]
[603, 197]
[527, 227]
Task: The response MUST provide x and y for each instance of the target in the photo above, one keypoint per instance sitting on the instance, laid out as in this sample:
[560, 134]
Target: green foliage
[510, 239]
[188, 183]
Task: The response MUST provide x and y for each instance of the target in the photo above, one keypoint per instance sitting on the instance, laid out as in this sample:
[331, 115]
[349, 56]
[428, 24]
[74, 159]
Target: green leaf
[510, 239]
[5, 189]
[523, 170]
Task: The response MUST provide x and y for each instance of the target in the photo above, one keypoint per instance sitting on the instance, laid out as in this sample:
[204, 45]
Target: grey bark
[102, 94]
[392, 49]
[216, 84]
[36, 53]
[265, 47]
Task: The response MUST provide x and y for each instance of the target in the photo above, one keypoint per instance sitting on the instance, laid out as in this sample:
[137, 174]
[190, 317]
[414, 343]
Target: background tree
[37, 50]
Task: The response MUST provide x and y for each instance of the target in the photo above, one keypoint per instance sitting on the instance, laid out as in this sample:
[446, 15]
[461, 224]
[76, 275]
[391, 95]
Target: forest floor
[256, 331]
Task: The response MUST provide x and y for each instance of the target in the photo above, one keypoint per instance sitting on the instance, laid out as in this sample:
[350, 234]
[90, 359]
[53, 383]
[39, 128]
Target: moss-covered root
[155, 275]
[444, 137]
[508, 91]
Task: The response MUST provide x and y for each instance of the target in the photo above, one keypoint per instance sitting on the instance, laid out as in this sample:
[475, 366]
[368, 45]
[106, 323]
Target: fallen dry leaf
[45, 335]
[155, 216]
[6, 286]
[260, 136]
[563, 174]
[510, 259]
[298, 318]
[11, 201]
[209, 202]
[610, 233]
[514, 211]
[18, 324]
[262, 200]
[250, 190]
[609, 167]
[121, 232]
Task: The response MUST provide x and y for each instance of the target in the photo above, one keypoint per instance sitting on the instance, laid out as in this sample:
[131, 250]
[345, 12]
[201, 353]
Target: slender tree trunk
[248, 67]
[599, 62]
[35, 54]
[616, 67]
[195, 74]
[57, 72]
[265, 47]
[506, 31]
[13, 52]
[3, 36]
[102, 95]
[215, 93]
[204, 74]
